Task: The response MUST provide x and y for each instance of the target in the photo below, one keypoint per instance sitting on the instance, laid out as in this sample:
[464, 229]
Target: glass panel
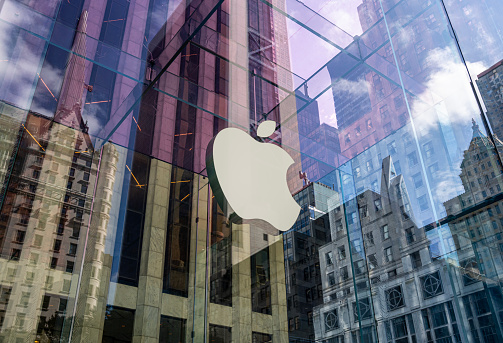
[116, 223]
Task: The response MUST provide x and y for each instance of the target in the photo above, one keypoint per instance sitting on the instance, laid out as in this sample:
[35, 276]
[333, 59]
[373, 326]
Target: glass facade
[112, 229]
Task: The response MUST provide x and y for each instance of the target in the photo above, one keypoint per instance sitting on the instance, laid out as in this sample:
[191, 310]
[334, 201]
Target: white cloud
[352, 88]
[342, 13]
[92, 115]
[20, 55]
[448, 86]
[448, 187]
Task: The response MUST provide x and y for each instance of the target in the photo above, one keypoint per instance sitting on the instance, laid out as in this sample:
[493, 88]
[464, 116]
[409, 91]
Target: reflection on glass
[109, 230]
[172, 330]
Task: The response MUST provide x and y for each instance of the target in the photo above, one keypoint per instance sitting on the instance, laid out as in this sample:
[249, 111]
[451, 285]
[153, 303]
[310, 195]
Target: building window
[435, 251]
[370, 165]
[342, 252]
[331, 320]
[388, 255]
[374, 186]
[57, 245]
[344, 273]
[338, 225]
[378, 205]
[20, 235]
[54, 262]
[62, 305]
[431, 285]
[415, 259]
[357, 172]
[352, 218]
[15, 254]
[405, 209]
[394, 298]
[433, 169]
[73, 249]
[357, 246]
[359, 267]
[76, 231]
[470, 270]
[372, 261]
[385, 232]
[369, 238]
[412, 159]
[392, 148]
[362, 311]
[384, 111]
[409, 236]
[69, 266]
[363, 211]
[428, 149]
[45, 302]
[418, 180]
[423, 203]
[329, 258]
[331, 279]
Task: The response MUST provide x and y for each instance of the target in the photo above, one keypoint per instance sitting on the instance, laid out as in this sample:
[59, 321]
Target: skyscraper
[490, 84]
[302, 263]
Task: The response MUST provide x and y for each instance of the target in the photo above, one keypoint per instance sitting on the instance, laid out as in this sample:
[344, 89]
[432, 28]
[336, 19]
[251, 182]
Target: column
[149, 299]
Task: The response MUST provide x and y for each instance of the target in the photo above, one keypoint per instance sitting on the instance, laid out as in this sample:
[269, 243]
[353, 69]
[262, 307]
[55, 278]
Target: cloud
[94, 116]
[446, 88]
[20, 55]
[449, 185]
[342, 13]
[352, 88]
[402, 32]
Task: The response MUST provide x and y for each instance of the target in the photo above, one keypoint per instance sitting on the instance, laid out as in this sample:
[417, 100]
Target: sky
[339, 21]
[336, 19]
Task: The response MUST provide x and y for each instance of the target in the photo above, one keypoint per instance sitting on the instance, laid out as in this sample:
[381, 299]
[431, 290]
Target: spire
[476, 131]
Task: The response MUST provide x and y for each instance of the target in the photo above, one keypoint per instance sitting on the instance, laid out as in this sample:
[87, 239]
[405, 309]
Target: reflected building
[475, 221]
[46, 208]
[420, 161]
[47, 198]
[374, 114]
[437, 282]
[124, 242]
[490, 84]
[379, 270]
[302, 265]
[319, 142]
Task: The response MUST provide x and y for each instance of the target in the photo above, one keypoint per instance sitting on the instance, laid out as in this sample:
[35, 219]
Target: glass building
[114, 226]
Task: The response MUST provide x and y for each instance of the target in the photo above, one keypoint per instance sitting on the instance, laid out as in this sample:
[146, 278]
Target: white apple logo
[251, 176]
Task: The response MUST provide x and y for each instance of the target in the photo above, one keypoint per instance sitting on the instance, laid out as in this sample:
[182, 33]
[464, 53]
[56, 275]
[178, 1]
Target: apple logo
[250, 176]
